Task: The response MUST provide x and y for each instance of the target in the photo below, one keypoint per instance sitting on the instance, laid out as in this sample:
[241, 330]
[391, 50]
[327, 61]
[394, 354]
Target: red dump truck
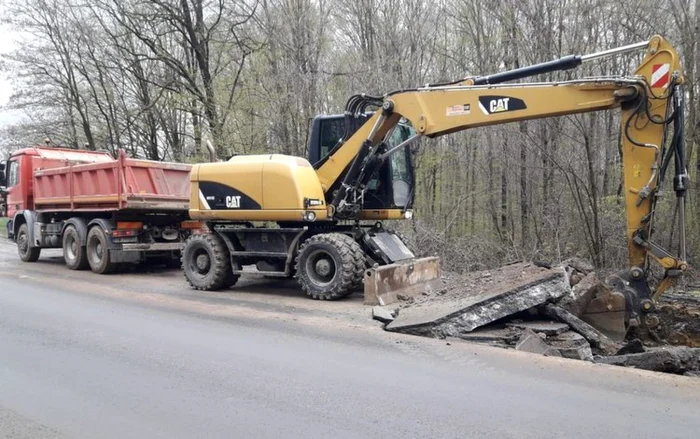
[101, 211]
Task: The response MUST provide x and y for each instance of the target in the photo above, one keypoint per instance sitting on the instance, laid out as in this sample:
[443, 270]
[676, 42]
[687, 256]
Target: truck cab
[392, 187]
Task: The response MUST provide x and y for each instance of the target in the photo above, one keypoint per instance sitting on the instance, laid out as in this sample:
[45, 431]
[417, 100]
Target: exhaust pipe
[212, 150]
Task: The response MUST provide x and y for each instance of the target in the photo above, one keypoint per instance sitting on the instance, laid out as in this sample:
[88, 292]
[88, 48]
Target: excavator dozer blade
[389, 283]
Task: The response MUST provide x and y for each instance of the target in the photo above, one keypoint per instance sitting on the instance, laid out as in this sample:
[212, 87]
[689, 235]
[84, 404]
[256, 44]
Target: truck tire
[206, 263]
[74, 254]
[329, 266]
[97, 251]
[26, 253]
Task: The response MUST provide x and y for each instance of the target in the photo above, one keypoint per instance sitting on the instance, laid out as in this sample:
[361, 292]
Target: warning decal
[660, 74]
[458, 110]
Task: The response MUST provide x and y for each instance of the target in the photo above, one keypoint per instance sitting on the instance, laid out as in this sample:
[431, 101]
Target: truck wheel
[26, 253]
[73, 253]
[206, 263]
[329, 266]
[97, 250]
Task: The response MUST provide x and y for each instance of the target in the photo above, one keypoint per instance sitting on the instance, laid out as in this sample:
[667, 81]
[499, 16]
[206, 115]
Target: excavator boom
[650, 101]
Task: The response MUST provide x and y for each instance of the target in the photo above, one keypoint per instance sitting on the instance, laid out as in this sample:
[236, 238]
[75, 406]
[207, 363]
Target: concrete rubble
[596, 338]
[535, 343]
[503, 337]
[581, 295]
[493, 295]
[671, 359]
[545, 327]
[551, 310]
[571, 345]
[384, 314]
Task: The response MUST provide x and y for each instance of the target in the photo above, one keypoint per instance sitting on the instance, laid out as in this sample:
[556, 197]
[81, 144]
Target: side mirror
[2, 174]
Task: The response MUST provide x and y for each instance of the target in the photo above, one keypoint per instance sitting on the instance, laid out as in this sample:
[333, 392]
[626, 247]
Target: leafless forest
[156, 76]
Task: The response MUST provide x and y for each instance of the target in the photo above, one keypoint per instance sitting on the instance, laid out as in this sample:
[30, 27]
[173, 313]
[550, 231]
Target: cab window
[331, 133]
[13, 174]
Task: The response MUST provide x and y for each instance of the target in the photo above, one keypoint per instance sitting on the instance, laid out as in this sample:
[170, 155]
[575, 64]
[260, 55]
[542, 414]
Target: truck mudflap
[392, 282]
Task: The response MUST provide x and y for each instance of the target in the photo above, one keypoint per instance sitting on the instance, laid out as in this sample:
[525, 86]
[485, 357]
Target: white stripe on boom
[660, 73]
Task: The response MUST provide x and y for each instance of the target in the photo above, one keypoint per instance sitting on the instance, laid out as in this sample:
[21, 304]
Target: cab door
[15, 191]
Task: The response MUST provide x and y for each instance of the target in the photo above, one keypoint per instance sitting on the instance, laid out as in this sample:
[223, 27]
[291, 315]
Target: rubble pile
[564, 311]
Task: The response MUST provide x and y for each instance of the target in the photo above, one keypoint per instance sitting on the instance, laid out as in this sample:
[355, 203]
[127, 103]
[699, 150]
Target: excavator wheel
[206, 263]
[329, 266]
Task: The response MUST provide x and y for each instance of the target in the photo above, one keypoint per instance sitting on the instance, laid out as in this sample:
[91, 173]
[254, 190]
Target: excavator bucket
[392, 282]
[607, 312]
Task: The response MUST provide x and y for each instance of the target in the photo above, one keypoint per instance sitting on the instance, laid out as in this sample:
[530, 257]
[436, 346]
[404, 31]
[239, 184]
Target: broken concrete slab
[545, 327]
[675, 359]
[571, 345]
[579, 265]
[534, 343]
[384, 314]
[597, 339]
[480, 299]
[501, 337]
[606, 313]
[581, 295]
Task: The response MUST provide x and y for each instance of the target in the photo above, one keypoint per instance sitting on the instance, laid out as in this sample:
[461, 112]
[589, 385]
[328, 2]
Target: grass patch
[3, 228]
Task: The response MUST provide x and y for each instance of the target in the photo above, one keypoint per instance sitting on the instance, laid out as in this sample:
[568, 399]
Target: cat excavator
[320, 219]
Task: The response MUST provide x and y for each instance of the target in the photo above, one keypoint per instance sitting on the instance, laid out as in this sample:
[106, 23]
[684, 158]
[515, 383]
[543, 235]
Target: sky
[7, 44]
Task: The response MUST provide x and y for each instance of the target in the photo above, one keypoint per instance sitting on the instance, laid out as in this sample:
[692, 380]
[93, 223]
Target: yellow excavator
[319, 219]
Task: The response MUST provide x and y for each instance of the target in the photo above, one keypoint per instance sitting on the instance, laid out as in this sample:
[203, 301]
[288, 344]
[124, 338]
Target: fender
[22, 217]
[106, 225]
[80, 226]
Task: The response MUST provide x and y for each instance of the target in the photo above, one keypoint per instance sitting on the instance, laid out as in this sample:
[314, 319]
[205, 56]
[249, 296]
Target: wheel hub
[72, 249]
[202, 262]
[323, 267]
[22, 242]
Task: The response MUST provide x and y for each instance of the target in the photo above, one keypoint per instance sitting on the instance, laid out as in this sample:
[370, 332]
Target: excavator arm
[650, 101]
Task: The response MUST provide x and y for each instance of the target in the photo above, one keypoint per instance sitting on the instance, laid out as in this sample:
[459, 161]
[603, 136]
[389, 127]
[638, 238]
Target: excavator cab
[392, 186]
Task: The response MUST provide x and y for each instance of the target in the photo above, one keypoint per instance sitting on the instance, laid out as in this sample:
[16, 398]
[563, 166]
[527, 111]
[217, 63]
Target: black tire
[74, 254]
[206, 263]
[329, 266]
[97, 250]
[26, 253]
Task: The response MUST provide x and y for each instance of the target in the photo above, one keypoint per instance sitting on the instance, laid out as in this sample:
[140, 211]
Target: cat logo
[500, 104]
[233, 202]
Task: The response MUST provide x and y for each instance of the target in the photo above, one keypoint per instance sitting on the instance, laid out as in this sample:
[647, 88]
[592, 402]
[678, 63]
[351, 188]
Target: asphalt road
[140, 355]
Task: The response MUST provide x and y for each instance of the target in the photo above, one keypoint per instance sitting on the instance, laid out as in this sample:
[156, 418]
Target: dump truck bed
[121, 184]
